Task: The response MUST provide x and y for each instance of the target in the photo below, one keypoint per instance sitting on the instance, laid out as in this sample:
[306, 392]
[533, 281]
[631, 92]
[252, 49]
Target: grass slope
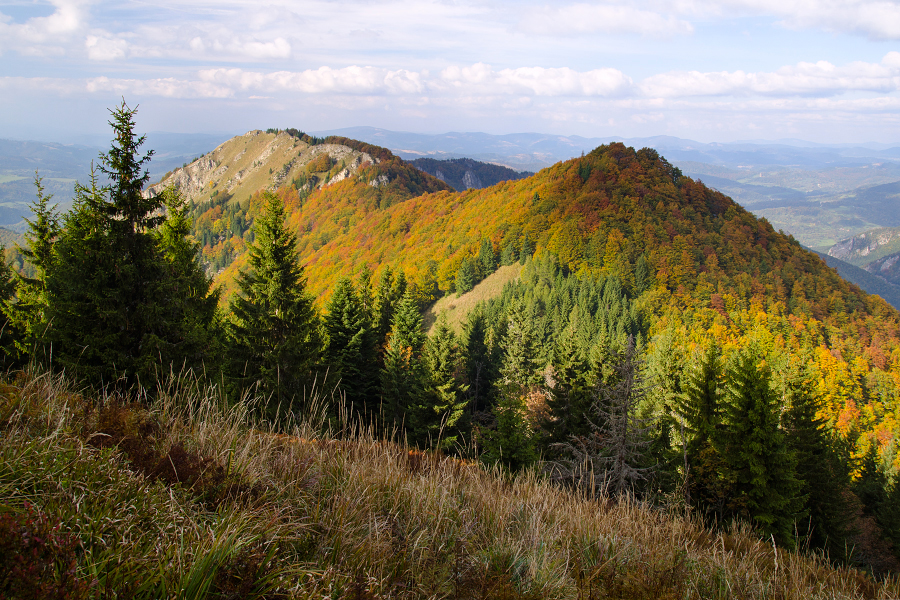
[456, 308]
[107, 500]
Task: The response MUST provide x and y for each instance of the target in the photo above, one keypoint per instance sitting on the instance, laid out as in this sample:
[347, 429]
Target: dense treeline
[725, 373]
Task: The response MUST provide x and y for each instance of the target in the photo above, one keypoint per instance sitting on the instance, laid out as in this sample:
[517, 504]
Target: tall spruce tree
[28, 315]
[755, 452]
[699, 409]
[511, 441]
[188, 332]
[822, 472]
[350, 350]
[403, 377]
[487, 259]
[276, 333]
[442, 416]
[118, 312]
[466, 277]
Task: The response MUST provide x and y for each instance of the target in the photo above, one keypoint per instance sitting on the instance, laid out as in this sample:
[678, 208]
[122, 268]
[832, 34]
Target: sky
[708, 70]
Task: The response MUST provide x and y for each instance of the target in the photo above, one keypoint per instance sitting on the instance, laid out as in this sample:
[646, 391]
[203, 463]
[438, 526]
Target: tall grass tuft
[194, 498]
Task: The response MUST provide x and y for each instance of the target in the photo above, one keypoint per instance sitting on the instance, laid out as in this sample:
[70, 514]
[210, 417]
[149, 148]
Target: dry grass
[245, 512]
[456, 309]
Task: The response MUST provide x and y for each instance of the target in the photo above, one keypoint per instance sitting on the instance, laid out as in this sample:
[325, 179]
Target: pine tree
[487, 260]
[442, 416]
[699, 411]
[465, 277]
[276, 332]
[350, 353]
[403, 377]
[823, 475]
[118, 314]
[28, 315]
[755, 452]
[187, 331]
[511, 442]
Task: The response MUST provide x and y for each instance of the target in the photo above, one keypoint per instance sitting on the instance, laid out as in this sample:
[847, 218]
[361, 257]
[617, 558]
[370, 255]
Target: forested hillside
[656, 341]
[465, 173]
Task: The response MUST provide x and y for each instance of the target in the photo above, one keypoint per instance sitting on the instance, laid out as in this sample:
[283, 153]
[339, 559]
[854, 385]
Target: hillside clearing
[457, 308]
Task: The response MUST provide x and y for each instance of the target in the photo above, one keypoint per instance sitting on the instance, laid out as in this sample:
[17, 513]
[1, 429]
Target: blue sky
[824, 71]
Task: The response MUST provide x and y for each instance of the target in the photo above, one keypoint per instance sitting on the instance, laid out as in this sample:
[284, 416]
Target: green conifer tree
[188, 331]
[276, 333]
[465, 277]
[487, 259]
[350, 353]
[512, 442]
[822, 472]
[755, 451]
[403, 377]
[444, 411]
[28, 315]
[699, 408]
[508, 256]
[119, 307]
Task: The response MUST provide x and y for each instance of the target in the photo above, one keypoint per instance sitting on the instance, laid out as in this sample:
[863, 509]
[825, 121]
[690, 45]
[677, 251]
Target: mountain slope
[464, 173]
[867, 280]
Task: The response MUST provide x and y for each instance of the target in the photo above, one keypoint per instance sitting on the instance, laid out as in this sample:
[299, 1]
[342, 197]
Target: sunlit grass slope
[456, 308]
[100, 499]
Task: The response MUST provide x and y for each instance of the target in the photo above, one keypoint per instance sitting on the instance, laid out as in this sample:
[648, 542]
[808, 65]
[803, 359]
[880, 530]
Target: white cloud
[585, 18]
[818, 79]
[349, 80]
[105, 48]
[536, 81]
[165, 87]
[877, 19]
[46, 35]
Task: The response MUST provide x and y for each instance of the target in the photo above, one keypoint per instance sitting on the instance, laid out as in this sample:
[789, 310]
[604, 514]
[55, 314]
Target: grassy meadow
[103, 497]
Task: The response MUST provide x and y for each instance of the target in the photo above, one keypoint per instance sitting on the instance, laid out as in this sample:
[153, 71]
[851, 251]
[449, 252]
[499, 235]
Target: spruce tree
[508, 256]
[572, 395]
[276, 333]
[487, 259]
[823, 474]
[442, 416]
[187, 330]
[350, 353]
[699, 409]
[511, 442]
[86, 341]
[28, 315]
[403, 377]
[120, 309]
[9, 354]
[755, 452]
[465, 277]
[480, 360]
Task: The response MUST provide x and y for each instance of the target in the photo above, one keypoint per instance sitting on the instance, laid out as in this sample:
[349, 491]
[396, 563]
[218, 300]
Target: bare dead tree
[609, 459]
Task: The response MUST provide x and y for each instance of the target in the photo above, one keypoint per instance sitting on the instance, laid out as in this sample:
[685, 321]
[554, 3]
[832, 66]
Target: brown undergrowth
[190, 498]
